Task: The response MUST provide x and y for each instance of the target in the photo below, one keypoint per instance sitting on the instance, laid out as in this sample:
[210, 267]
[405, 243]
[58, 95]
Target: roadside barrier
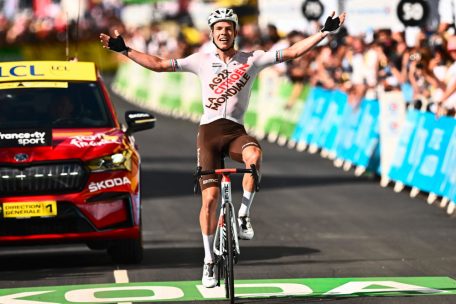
[409, 147]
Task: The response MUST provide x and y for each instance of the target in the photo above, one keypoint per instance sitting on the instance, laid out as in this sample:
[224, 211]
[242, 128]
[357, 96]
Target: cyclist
[226, 76]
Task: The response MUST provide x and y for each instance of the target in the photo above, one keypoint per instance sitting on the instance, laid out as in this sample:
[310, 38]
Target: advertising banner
[301, 126]
[251, 115]
[170, 99]
[142, 93]
[135, 80]
[366, 140]
[121, 82]
[326, 134]
[156, 86]
[345, 149]
[271, 103]
[290, 116]
[447, 186]
[435, 136]
[410, 148]
[310, 120]
[192, 106]
[269, 81]
[392, 117]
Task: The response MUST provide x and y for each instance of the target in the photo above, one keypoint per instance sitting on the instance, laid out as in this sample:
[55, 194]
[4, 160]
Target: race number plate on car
[29, 209]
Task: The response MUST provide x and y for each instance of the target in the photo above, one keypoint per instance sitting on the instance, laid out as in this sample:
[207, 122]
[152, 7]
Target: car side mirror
[139, 121]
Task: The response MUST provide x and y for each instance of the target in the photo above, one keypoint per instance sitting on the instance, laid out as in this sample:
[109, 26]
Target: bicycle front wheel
[229, 260]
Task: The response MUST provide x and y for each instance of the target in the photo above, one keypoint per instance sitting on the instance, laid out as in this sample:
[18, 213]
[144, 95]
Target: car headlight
[117, 161]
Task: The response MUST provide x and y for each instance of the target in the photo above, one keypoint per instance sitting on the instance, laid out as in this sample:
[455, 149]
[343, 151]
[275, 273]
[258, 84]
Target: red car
[69, 170]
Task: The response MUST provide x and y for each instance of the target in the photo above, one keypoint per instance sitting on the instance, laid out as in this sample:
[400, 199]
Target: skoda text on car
[69, 170]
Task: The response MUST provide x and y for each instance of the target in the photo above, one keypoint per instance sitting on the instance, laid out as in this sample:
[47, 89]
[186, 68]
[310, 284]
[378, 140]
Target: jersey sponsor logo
[109, 183]
[227, 85]
[224, 80]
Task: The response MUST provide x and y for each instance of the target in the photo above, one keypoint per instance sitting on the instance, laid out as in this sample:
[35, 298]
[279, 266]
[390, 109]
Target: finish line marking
[185, 291]
[121, 276]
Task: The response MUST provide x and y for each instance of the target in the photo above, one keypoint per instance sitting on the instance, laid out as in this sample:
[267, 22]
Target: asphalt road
[311, 220]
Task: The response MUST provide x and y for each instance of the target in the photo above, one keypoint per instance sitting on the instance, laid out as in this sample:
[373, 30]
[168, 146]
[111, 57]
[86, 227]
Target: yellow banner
[47, 70]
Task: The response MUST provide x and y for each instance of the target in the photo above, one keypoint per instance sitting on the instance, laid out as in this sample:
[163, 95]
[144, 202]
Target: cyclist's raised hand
[333, 24]
[116, 43]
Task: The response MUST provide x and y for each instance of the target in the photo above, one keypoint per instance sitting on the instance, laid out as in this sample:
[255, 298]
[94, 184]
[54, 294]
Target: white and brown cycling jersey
[226, 86]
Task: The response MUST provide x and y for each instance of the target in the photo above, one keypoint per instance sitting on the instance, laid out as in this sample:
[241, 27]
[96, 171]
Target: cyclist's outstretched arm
[151, 62]
[301, 47]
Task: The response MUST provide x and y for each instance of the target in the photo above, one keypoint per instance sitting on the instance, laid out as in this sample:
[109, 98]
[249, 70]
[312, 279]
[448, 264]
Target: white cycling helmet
[222, 14]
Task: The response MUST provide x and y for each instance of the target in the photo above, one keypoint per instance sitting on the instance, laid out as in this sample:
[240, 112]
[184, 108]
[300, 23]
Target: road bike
[226, 243]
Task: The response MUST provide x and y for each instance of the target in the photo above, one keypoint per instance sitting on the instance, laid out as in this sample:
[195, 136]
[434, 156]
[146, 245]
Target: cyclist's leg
[247, 150]
[208, 212]
[208, 158]
[208, 222]
[251, 155]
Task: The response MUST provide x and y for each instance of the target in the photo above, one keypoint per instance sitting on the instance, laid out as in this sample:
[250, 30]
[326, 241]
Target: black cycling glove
[118, 45]
[331, 24]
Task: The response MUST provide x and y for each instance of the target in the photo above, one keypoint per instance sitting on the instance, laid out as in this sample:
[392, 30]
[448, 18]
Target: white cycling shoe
[208, 279]
[245, 228]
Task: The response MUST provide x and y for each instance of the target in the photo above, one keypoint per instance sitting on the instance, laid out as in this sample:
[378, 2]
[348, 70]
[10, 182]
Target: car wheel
[128, 251]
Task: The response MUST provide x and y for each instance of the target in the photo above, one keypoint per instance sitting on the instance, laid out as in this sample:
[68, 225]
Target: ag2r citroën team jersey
[226, 86]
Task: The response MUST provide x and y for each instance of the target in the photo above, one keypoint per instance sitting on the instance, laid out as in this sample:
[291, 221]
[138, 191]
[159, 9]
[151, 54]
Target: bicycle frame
[220, 233]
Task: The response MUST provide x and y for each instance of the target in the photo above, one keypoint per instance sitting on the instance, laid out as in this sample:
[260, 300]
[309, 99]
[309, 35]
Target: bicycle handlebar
[253, 170]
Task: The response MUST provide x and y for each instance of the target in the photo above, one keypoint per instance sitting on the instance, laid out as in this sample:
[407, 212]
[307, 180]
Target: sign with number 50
[413, 12]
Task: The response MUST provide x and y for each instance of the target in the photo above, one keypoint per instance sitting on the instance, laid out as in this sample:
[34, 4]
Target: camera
[415, 57]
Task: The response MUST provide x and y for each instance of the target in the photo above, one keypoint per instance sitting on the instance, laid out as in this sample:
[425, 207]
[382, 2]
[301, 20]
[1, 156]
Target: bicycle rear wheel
[229, 260]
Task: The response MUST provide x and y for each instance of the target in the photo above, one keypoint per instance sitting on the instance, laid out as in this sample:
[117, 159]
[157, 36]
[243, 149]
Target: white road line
[121, 276]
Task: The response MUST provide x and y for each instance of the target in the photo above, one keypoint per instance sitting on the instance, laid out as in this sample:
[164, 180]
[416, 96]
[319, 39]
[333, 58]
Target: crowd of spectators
[27, 25]
[361, 66]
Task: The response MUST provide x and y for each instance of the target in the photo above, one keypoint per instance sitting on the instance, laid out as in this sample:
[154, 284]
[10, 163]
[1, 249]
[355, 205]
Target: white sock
[247, 199]
[208, 241]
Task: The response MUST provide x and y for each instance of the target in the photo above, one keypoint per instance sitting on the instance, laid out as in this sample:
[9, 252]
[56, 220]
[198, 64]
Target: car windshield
[71, 105]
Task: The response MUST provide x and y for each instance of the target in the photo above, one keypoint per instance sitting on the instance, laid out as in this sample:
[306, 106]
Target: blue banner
[434, 138]
[314, 110]
[326, 134]
[347, 132]
[367, 136]
[447, 186]
[404, 161]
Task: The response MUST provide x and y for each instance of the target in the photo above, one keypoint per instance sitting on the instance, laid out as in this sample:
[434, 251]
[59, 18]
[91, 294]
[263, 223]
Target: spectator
[447, 103]
[421, 77]
[447, 12]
